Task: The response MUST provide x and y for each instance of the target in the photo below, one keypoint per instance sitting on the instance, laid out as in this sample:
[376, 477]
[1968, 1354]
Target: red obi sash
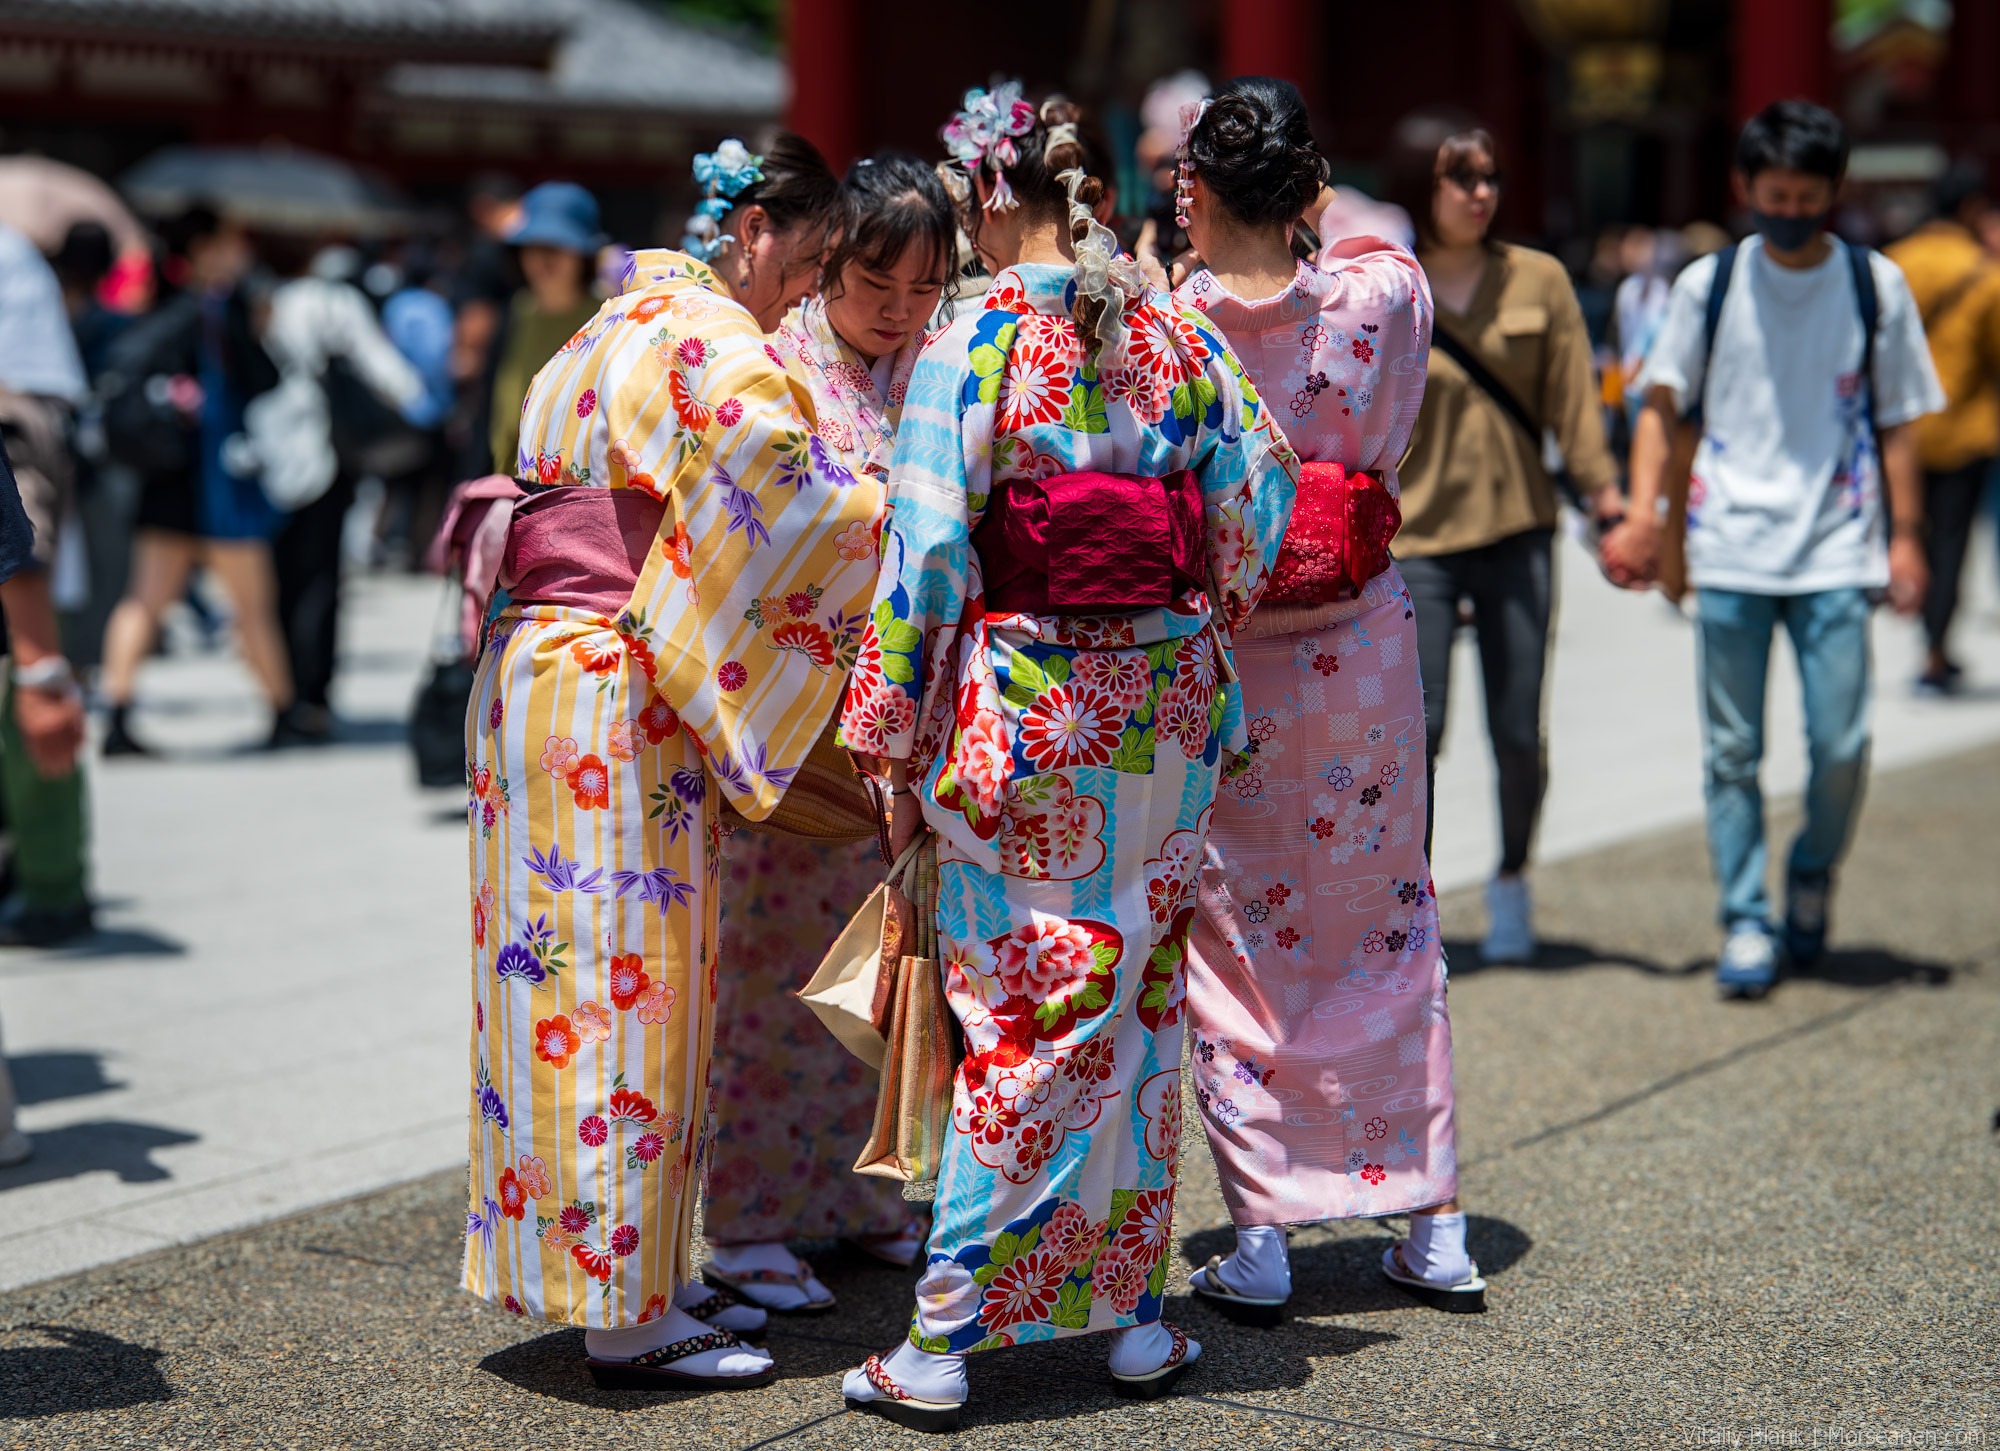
[1338, 538]
[1091, 544]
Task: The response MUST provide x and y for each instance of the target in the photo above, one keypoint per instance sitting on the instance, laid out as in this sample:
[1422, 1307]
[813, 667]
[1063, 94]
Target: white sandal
[1468, 1297]
[1243, 1309]
[739, 1285]
[653, 1370]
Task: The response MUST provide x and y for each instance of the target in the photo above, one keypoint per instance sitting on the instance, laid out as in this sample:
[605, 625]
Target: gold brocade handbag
[828, 800]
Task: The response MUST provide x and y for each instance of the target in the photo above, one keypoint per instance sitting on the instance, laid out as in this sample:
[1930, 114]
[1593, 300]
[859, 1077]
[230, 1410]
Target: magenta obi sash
[579, 547]
[1091, 544]
[1338, 537]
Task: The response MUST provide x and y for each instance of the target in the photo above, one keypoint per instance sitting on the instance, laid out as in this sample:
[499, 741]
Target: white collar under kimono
[858, 407]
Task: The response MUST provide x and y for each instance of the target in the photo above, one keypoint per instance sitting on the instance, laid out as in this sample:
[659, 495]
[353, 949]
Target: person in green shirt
[558, 240]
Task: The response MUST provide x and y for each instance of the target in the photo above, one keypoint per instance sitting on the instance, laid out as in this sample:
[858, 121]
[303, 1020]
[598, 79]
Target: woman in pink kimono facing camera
[1316, 988]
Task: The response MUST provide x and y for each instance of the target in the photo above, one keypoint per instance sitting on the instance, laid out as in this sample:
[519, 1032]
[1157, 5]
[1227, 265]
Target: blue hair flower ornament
[723, 174]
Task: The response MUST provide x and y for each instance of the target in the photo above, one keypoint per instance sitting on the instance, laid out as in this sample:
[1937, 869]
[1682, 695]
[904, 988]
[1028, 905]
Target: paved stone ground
[1701, 1221]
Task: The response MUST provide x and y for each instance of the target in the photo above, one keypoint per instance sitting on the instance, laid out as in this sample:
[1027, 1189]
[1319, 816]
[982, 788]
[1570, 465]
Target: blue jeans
[1829, 633]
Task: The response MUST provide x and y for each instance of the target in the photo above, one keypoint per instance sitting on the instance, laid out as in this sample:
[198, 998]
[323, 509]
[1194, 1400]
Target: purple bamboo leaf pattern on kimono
[729, 771]
[562, 875]
[662, 886]
[779, 776]
[746, 513]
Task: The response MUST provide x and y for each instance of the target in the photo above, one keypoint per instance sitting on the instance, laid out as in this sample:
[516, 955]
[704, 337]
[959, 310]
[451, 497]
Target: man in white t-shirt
[1785, 517]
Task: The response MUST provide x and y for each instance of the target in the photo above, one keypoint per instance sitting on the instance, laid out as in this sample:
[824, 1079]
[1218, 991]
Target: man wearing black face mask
[1802, 361]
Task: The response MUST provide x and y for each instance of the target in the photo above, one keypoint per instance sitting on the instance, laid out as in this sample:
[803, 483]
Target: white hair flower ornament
[724, 174]
[981, 137]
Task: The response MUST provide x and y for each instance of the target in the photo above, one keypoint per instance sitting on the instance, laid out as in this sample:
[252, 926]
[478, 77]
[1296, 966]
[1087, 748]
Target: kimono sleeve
[751, 599]
[1248, 479]
[1384, 303]
[930, 575]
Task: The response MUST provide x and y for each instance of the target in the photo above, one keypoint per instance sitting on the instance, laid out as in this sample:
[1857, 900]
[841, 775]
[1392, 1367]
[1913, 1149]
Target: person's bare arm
[51, 717]
[1631, 551]
[1909, 570]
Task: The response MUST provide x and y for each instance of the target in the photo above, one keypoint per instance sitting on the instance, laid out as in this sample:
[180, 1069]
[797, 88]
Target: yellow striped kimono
[596, 746]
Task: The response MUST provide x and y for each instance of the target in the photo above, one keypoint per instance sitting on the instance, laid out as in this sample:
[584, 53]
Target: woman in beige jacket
[1510, 362]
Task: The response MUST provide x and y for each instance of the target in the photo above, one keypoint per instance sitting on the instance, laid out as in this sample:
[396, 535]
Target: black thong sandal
[1154, 1384]
[900, 1406]
[1468, 1297]
[720, 1301]
[1243, 1309]
[652, 1371]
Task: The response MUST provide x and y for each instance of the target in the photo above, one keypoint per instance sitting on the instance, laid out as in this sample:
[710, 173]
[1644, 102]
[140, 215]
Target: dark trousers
[306, 557]
[1951, 500]
[1511, 586]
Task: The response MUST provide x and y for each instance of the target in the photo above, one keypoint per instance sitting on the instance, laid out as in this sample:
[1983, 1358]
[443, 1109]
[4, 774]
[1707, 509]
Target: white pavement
[275, 1014]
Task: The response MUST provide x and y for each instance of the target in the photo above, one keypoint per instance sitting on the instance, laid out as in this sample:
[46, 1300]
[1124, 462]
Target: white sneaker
[1749, 962]
[1510, 931]
[15, 1148]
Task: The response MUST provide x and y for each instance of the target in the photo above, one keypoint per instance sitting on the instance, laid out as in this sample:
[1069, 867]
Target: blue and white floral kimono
[1068, 765]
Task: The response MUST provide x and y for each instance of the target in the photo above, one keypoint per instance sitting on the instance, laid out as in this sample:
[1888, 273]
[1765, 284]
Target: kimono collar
[1300, 299]
[1044, 287]
[857, 418]
[656, 265]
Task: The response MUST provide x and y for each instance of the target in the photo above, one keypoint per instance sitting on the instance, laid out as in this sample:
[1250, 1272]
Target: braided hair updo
[1254, 149]
[1050, 148]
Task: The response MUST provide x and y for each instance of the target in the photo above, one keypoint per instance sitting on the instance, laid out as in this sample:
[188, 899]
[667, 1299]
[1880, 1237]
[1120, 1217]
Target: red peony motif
[593, 1131]
[1071, 725]
[1069, 1236]
[625, 1240]
[1185, 719]
[732, 676]
[628, 980]
[1045, 959]
[1125, 677]
[984, 762]
[513, 1198]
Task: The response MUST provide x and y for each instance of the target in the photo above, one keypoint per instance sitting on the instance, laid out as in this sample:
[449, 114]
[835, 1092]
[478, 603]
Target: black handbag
[437, 719]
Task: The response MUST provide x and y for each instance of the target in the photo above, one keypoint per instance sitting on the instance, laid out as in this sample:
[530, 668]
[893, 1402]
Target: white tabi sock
[923, 1374]
[1435, 1250]
[732, 1260]
[633, 1341]
[1143, 1349]
[740, 1318]
[1261, 1267]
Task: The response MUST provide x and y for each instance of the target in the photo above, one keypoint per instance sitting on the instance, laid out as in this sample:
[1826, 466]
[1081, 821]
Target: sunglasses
[1467, 180]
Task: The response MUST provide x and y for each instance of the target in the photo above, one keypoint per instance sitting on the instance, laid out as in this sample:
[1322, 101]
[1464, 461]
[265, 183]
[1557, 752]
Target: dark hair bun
[1254, 149]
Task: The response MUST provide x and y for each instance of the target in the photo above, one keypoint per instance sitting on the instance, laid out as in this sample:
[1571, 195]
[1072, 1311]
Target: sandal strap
[879, 1378]
[1180, 1347]
[715, 1304]
[795, 1278]
[1216, 1283]
[693, 1345]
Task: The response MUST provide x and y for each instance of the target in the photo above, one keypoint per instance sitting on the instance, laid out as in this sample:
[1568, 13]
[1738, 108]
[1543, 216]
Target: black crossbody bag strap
[1483, 379]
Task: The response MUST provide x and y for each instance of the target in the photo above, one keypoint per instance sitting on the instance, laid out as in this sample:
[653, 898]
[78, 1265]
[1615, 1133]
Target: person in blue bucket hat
[557, 238]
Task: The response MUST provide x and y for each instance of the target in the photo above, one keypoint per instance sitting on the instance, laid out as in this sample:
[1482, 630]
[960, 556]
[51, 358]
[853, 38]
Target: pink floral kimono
[793, 1107]
[1316, 989]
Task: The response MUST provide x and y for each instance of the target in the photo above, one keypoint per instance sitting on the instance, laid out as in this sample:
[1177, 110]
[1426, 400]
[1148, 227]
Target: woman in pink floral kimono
[1316, 987]
[793, 1105]
[1067, 756]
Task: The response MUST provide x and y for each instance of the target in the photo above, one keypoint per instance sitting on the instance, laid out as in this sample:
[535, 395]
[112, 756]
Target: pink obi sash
[1338, 538]
[1091, 544]
[580, 547]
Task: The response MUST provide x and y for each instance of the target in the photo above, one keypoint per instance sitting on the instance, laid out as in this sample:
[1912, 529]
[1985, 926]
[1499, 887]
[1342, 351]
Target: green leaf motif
[1103, 954]
[991, 1342]
[898, 668]
[1056, 668]
[899, 635]
[985, 1273]
[1084, 413]
[1028, 675]
[1157, 1281]
[1134, 755]
[1072, 1310]
[1122, 1201]
[935, 1344]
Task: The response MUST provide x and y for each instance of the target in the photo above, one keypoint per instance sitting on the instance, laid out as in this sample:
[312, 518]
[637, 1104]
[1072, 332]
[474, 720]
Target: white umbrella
[43, 199]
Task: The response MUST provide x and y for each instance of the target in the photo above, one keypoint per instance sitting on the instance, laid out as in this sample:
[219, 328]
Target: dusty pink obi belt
[1338, 538]
[579, 547]
[1091, 544]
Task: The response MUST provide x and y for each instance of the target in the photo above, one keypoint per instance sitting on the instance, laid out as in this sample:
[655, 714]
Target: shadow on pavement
[88, 1371]
[1463, 955]
[46, 1077]
[125, 1149]
[120, 942]
[1875, 967]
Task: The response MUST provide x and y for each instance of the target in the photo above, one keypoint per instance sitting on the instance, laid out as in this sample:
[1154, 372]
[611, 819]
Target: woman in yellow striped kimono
[794, 1106]
[674, 495]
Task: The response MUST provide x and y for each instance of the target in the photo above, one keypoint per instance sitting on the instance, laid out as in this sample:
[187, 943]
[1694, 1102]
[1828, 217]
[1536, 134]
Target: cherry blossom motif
[1125, 675]
[856, 541]
[1071, 725]
[556, 1040]
[629, 981]
[560, 755]
[1034, 388]
[1033, 1145]
[513, 1198]
[593, 1023]
[1024, 1292]
[657, 1006]
[1045, 959]
[624, 739]
[590, 782]
[534, 1177]
[1159, 1101]
[1373, 1173]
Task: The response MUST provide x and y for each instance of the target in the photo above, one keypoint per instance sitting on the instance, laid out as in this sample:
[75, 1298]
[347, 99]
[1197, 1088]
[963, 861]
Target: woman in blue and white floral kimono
[1066, 754]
